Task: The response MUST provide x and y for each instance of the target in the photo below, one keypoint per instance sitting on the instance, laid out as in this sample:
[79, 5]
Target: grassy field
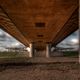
[17, 54]
[11, 54]
[71, 54]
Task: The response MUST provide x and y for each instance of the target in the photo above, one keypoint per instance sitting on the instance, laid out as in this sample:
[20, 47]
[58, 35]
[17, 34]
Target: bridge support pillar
[31, 50]
[48, 50]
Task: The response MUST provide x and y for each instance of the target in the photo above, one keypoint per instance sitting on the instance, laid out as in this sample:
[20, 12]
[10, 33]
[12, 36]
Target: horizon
[6, 40]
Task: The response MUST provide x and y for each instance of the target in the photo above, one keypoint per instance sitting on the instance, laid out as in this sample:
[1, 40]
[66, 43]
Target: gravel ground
[40, 71]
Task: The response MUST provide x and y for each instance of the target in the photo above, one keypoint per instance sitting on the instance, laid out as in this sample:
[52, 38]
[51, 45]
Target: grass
[17, 54]
[10, 54]
[71, 54]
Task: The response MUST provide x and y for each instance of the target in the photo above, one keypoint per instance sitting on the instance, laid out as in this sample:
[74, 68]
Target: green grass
[71, 53]
[17, 54]
[10, 54]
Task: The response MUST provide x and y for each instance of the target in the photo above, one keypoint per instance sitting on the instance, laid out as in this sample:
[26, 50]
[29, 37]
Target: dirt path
[38, 71]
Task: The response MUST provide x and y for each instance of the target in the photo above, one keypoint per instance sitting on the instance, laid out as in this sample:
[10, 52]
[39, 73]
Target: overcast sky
[8, 41]
[71, 41]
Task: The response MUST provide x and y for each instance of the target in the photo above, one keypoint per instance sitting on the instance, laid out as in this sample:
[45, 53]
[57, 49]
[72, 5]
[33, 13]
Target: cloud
[7, 40]
[71, 41]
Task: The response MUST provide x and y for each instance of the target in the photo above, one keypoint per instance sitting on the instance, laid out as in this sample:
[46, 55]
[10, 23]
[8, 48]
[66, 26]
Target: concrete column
[48, 49]
[31, 50]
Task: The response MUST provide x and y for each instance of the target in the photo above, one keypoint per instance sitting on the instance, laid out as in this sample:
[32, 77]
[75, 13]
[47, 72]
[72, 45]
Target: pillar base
[31, 50]
[48, 50]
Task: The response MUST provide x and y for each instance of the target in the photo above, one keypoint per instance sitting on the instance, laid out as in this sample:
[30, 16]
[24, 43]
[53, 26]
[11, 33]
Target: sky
[72, 41]
[8, 41]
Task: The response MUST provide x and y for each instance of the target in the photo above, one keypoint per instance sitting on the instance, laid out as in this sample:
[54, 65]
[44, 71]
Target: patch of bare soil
[40, 71]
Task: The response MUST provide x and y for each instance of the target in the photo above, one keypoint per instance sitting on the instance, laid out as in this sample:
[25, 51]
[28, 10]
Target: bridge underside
[37, 23]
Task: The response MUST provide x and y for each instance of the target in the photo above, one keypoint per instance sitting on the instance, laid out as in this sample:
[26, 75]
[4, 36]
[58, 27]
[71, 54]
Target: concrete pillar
[48, 49]
[31, 50]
